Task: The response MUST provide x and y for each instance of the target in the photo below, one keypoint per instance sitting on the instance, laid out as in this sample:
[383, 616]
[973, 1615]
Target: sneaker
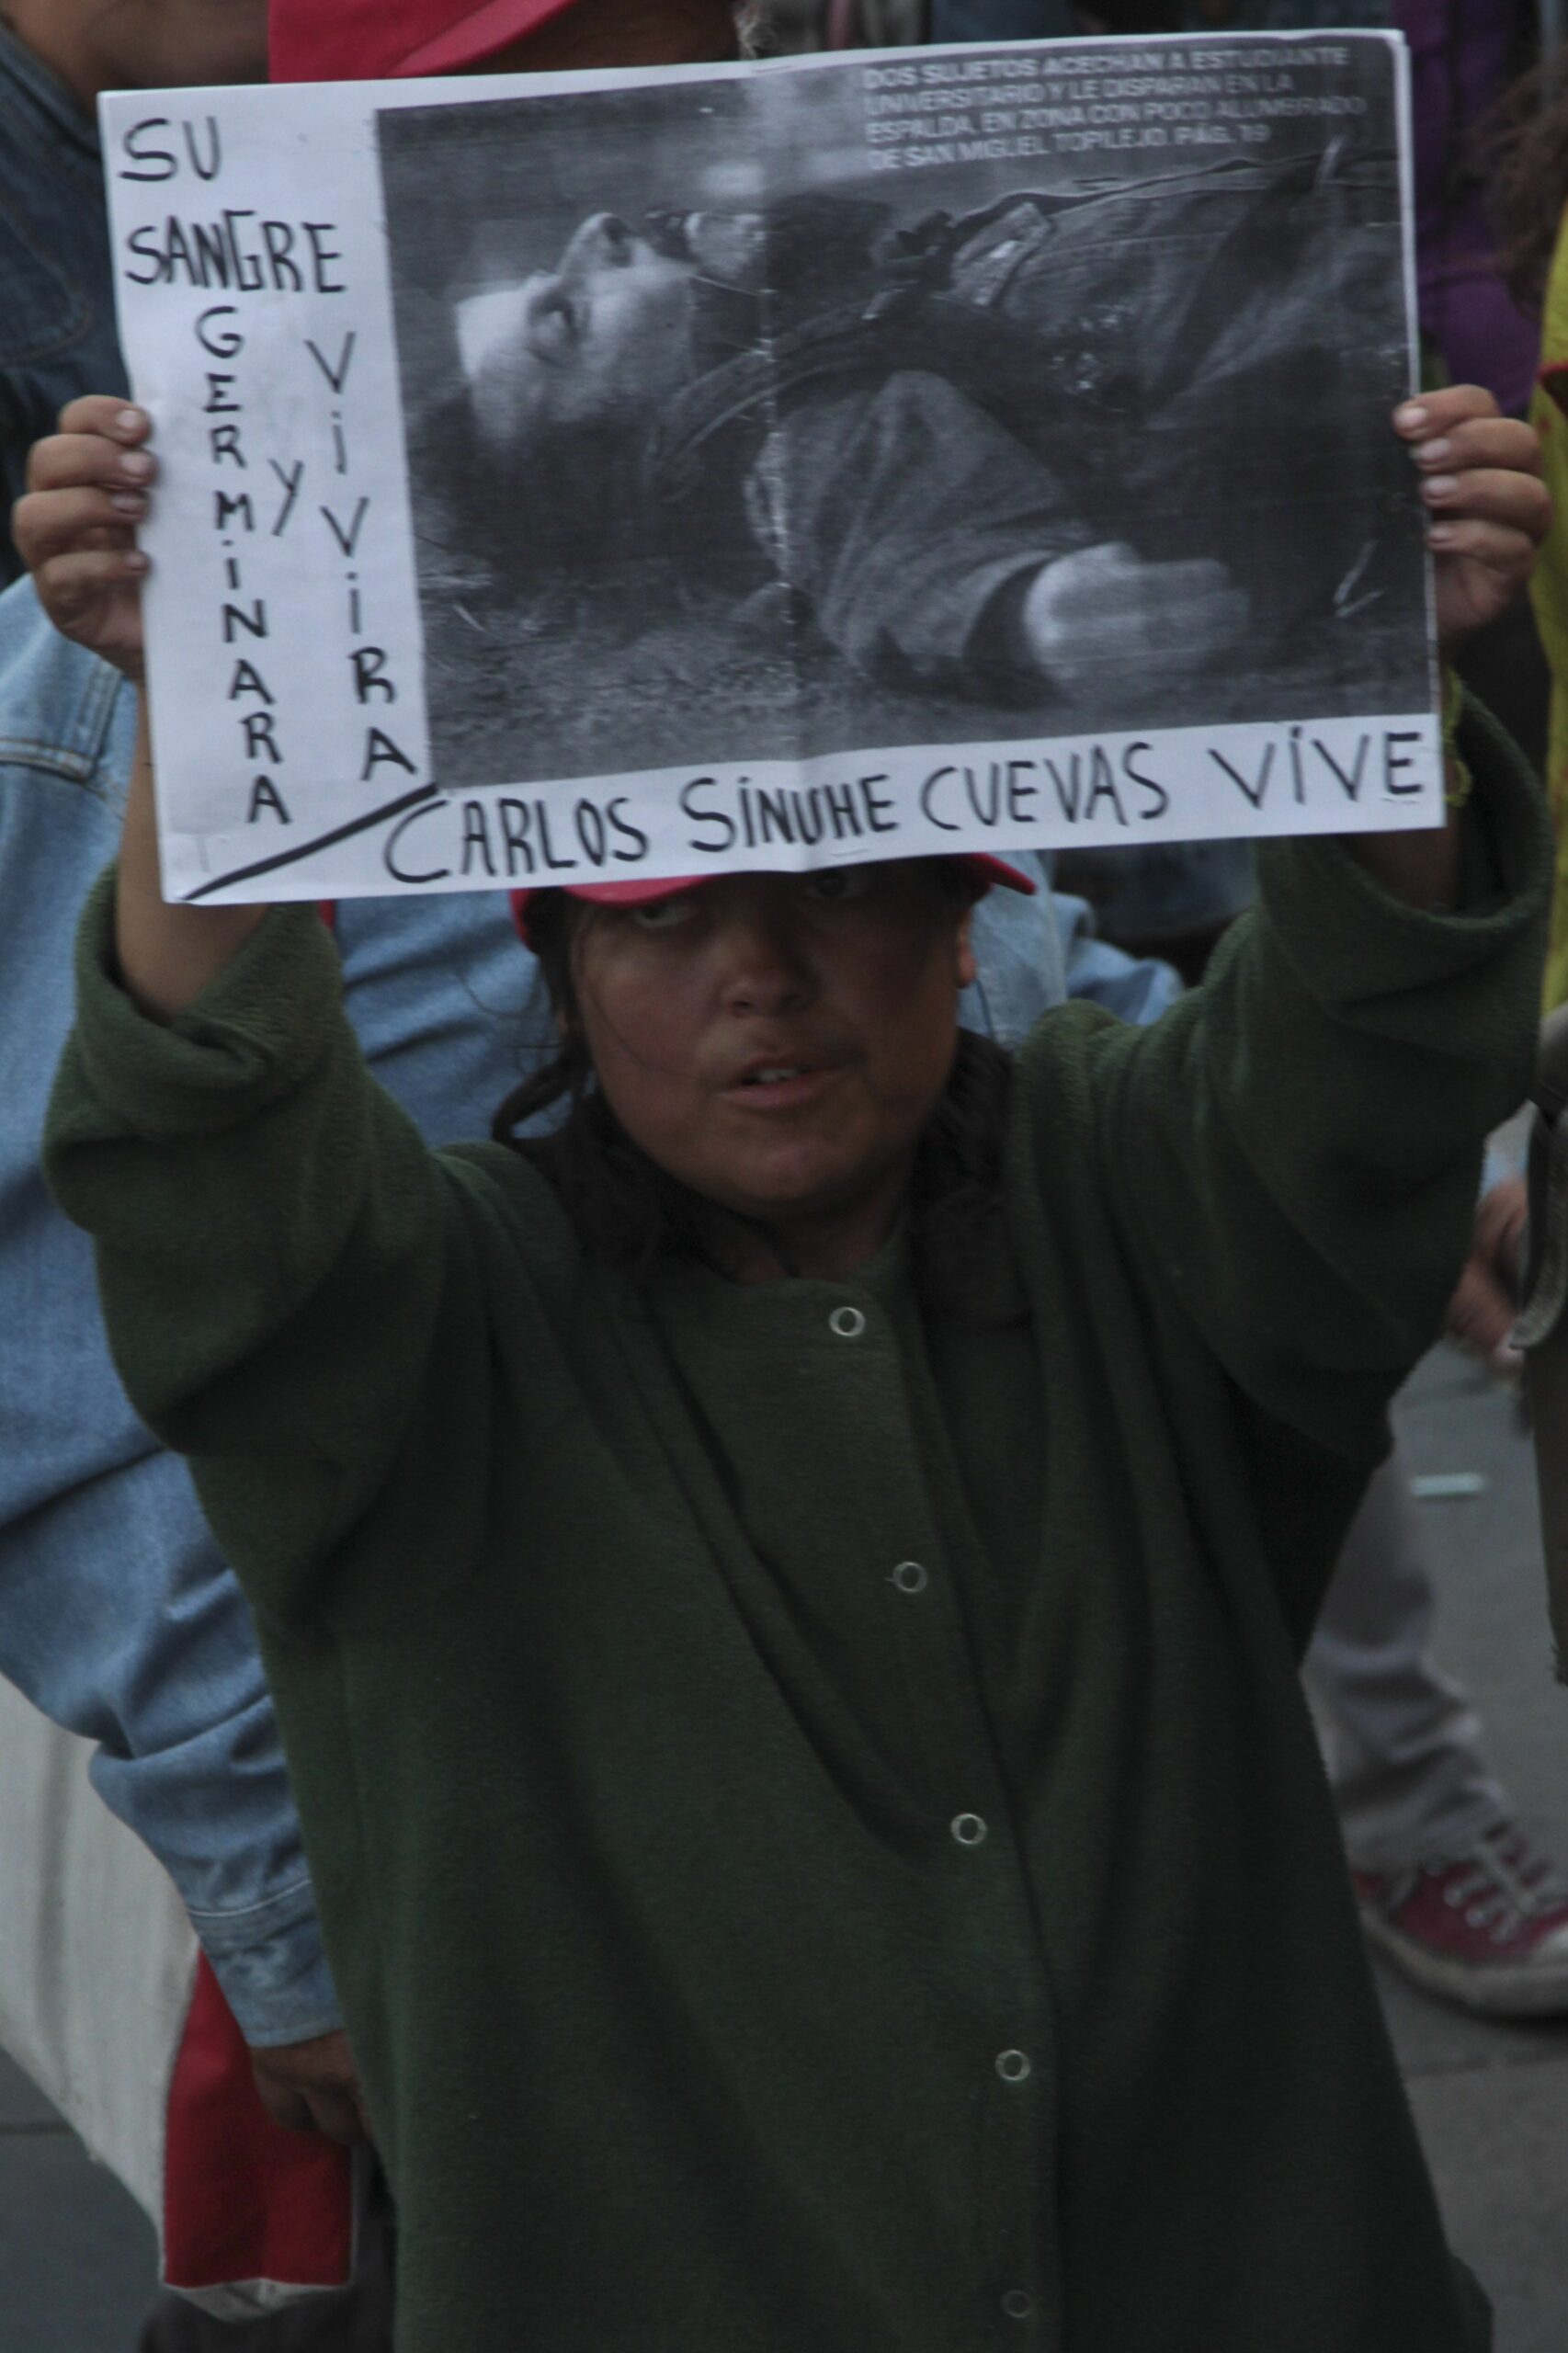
[1488, 1930]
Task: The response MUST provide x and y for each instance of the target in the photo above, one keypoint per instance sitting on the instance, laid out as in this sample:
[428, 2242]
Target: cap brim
[983, 868]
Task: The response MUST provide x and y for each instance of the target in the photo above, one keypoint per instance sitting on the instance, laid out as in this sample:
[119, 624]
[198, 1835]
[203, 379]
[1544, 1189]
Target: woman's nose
[763, 970]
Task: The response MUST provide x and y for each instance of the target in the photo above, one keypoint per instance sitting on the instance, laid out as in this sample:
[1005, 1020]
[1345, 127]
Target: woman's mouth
[777, 1087]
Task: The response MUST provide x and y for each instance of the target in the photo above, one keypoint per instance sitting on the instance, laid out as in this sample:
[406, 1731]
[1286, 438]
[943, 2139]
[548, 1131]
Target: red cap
[982, 872]
[371, 40]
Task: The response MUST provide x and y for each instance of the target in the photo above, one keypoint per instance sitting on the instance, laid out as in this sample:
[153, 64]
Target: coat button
[969, 1829]
[911, 1576]
[1018, 2304]
[1014, 2066]
[846, 1323]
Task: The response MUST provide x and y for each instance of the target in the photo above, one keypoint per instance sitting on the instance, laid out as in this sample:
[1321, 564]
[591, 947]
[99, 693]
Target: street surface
[77, 2260]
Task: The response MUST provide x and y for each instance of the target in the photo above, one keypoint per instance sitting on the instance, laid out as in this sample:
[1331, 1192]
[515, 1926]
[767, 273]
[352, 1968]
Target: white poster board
[616, 474]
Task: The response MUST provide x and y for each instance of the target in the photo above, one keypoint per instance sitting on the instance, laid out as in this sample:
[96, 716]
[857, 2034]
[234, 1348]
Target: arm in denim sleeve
[118, 1617]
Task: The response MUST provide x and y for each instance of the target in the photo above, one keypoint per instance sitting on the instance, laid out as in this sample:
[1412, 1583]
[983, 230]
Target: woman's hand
[75, 527]
[1489, 508]
[312, 2087]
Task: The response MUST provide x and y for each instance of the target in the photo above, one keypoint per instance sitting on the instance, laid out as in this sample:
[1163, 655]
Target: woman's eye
[839, 887]
[664, 915]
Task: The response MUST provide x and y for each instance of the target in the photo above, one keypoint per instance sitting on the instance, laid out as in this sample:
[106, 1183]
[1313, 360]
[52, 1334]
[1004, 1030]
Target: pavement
[77, 2260]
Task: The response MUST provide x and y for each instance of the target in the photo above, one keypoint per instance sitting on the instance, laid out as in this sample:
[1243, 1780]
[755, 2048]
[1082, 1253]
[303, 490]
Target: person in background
[1529, 161]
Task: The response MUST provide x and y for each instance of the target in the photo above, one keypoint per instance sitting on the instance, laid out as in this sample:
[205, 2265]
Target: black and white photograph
[971, 400]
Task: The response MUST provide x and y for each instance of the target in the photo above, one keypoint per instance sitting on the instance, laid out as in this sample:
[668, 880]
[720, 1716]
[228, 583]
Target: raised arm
[88, 487]
[1295, 1149]
[288, 1275]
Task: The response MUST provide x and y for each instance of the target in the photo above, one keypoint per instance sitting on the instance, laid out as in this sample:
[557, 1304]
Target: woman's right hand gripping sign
[87, 488]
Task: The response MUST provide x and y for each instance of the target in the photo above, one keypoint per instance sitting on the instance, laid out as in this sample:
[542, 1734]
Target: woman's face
[605, 334]
[778, 1043]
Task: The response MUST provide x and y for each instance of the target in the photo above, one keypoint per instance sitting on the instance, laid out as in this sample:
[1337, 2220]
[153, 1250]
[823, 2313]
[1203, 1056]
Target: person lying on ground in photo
[1007, 454]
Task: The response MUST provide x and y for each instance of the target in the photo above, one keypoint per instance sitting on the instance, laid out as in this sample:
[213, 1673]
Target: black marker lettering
[633, 833]
[514, 835]
[1394, 761]
[323, 255]
[476, 838]
[225, 510]
[225, 442]
[247, 680]
[1103, 785]
[216, 405]
[393, 843]
[1019, 795]
[259, 740]
[693, 809]
[936, 777]
[214, 164]
[369, 665]
[877, 805]
[591, 832]
[1069, 788]
[291, 481]
[339, 447]
[264, 794]
[379, 750]
[337, 377]
[162, 161]
[1351, 784]
[557, 865]
[234, 616]
[1160, 800]
[230, 342]
[247, 267]
[1254, 792]
[139, 244]
[279, 239]
[348, 541]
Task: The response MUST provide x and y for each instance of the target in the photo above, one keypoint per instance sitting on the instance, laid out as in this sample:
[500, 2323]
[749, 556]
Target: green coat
[819, 1838]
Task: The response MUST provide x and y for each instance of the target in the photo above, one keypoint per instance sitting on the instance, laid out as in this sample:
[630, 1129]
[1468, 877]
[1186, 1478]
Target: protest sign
[630, 474]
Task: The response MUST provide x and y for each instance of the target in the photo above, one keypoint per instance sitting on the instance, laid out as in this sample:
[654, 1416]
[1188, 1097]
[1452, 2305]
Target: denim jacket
[57, 330]
[117, 1617]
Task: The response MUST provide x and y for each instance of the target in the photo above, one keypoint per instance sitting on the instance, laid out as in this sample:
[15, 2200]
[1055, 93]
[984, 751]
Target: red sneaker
[1488, 1930]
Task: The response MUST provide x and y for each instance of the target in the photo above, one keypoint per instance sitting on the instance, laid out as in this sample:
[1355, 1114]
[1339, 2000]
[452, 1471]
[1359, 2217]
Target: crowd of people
[780, 1593]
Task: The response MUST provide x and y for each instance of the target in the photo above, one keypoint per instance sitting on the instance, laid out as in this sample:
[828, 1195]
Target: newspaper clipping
[861, 456]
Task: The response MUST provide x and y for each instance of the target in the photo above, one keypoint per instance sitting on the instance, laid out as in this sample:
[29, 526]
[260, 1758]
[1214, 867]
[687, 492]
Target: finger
[70, 586]
[54, 522]
[1432, 413]
[67, 460]
[104, 413]
[1506, 443]
[1509, 555]
[1516, 501]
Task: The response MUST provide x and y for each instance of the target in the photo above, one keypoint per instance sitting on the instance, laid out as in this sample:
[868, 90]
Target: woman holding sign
[783, 1598]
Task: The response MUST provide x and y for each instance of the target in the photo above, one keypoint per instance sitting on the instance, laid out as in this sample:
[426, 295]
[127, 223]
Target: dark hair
[630, 1212]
